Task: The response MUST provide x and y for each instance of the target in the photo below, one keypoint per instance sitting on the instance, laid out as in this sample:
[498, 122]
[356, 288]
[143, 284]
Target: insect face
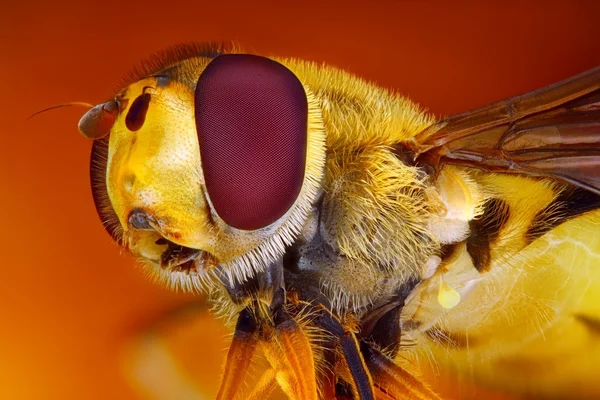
[220, 172]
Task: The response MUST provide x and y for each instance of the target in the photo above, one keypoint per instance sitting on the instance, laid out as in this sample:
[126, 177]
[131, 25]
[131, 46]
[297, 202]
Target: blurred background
[69, 301]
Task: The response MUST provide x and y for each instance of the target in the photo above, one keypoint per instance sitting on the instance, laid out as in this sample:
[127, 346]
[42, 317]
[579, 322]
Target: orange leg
[393, 380]
[239, 355]
[265, 386]
[381, 395]
[290, 353]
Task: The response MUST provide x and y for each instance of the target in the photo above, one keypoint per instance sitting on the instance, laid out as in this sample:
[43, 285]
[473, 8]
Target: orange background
[67, 298]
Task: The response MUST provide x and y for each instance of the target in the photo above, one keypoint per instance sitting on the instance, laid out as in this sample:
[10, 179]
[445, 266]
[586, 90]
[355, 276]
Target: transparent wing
[554, 132]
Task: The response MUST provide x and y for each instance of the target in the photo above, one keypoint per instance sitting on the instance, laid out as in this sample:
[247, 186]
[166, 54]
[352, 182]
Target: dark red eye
[136, 116]
[251, 117]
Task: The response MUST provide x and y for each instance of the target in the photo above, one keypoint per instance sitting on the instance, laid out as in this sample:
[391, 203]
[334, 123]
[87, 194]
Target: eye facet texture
[251, 118]
[104, 208]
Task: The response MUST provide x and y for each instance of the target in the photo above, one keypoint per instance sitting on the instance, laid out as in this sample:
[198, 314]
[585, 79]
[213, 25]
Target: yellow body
[528, 324]
[531, 324]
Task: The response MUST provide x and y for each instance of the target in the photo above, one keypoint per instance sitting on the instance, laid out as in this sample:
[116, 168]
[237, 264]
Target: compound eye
[136, 116]
[104, 208]
[251, 118]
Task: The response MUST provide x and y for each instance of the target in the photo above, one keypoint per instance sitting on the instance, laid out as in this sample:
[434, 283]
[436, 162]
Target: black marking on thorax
[569, 204]
[485, 230]
[447, 250]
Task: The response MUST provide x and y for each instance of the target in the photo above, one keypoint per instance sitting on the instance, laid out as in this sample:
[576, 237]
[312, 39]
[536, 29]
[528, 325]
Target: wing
[554, 132]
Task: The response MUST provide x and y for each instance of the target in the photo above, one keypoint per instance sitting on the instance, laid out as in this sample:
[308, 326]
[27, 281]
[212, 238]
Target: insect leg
[361, 381]
[239, 355]
[392, 379]
[381, 395]
[265, 386]
[290, 353]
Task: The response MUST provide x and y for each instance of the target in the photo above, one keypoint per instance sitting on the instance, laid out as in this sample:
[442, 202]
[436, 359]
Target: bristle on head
[164, 59]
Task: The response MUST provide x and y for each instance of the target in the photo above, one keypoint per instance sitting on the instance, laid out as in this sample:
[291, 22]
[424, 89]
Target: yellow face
[156, 170]
[155, 185]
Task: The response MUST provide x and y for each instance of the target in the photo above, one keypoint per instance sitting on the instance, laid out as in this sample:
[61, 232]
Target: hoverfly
[354, 238]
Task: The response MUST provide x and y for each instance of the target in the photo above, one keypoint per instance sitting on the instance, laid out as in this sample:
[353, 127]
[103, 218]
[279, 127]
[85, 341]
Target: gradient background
[68, 299]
